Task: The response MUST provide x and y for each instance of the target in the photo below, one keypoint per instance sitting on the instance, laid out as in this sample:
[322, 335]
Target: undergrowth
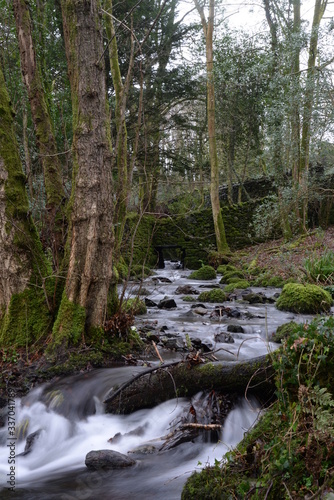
[290, 453]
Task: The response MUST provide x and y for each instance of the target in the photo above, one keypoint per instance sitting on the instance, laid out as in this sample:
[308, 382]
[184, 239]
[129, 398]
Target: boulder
[186, 290]
[167, 304]
[107, 459]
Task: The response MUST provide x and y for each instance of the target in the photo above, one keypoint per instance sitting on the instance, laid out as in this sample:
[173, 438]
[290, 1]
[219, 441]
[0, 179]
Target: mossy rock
[215, 295]
[284, 331]
[239, 284]
[138, 271]
[134, 306]
[224, 268]
[304, 299]
[268, 280]
[229, 275]
[189, 298]
[203, 273]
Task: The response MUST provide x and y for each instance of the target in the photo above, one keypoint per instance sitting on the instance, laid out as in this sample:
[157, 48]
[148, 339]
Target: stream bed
[69, 420]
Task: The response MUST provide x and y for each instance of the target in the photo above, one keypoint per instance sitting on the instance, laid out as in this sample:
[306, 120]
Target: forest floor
[286, 259]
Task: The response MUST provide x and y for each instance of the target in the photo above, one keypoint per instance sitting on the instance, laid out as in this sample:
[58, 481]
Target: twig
[157, 352]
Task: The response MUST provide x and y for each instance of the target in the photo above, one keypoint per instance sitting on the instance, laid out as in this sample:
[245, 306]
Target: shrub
[203, 273]
[307, 299]
[216, 295]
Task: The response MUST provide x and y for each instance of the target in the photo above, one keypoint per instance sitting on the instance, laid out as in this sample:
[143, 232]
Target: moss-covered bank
[290, 452]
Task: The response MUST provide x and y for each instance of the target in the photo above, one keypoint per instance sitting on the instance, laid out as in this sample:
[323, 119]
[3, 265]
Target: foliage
[203, 273]
[307, 299]
[290, 452]
[215, 295]
[320, 269]
[134, 306]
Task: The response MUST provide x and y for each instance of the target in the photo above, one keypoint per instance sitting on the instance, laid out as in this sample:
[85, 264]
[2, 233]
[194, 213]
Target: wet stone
[235, 329]
[107, 459]
[224, 338]
[201, 311]
[150, 303]
[167, 304]
[186, 290]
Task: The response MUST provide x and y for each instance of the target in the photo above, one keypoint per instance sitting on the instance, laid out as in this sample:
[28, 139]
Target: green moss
[307, 299]
[267, 279]
[284, 331]
[69, 326]
[239, 284]
[203, 273]
[229, 276]
[139, 271]
[226, 267]
[28, 320]
[122, 270]
[189, 298]
[215, 295]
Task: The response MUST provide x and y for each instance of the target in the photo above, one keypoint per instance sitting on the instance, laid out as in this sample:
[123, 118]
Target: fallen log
[157, 385]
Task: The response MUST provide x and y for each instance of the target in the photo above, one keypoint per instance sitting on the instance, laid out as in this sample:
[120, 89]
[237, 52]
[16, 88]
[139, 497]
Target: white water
[60, 449]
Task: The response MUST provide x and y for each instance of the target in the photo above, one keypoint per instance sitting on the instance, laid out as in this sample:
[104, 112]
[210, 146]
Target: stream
[69, 419]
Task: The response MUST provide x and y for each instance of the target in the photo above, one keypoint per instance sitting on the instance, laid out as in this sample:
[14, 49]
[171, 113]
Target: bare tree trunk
[208, 26]
[84, 304]
[319, 10]
[45, 138]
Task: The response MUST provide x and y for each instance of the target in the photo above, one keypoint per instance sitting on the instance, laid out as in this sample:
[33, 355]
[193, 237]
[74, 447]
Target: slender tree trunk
[319, 10]
[84, 304]
[45, 138]
[208, 26]
[121, 148]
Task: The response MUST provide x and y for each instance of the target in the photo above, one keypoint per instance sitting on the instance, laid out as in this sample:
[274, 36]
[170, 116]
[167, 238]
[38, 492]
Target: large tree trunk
[84, 303]
[23, 289]
[208, 26]
[54, 233]
[180, 379]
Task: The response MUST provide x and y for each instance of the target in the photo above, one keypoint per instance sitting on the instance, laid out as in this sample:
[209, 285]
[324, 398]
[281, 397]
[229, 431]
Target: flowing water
[69, 418]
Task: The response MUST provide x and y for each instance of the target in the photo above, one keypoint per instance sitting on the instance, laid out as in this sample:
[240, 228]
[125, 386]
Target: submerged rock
[107, 459]
[30, 442]
[224, 337]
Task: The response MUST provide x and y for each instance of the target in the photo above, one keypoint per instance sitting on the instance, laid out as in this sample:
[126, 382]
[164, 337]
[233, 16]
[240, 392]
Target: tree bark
[45, 138]
[23, 264]
[84, 304]
[178, 379]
